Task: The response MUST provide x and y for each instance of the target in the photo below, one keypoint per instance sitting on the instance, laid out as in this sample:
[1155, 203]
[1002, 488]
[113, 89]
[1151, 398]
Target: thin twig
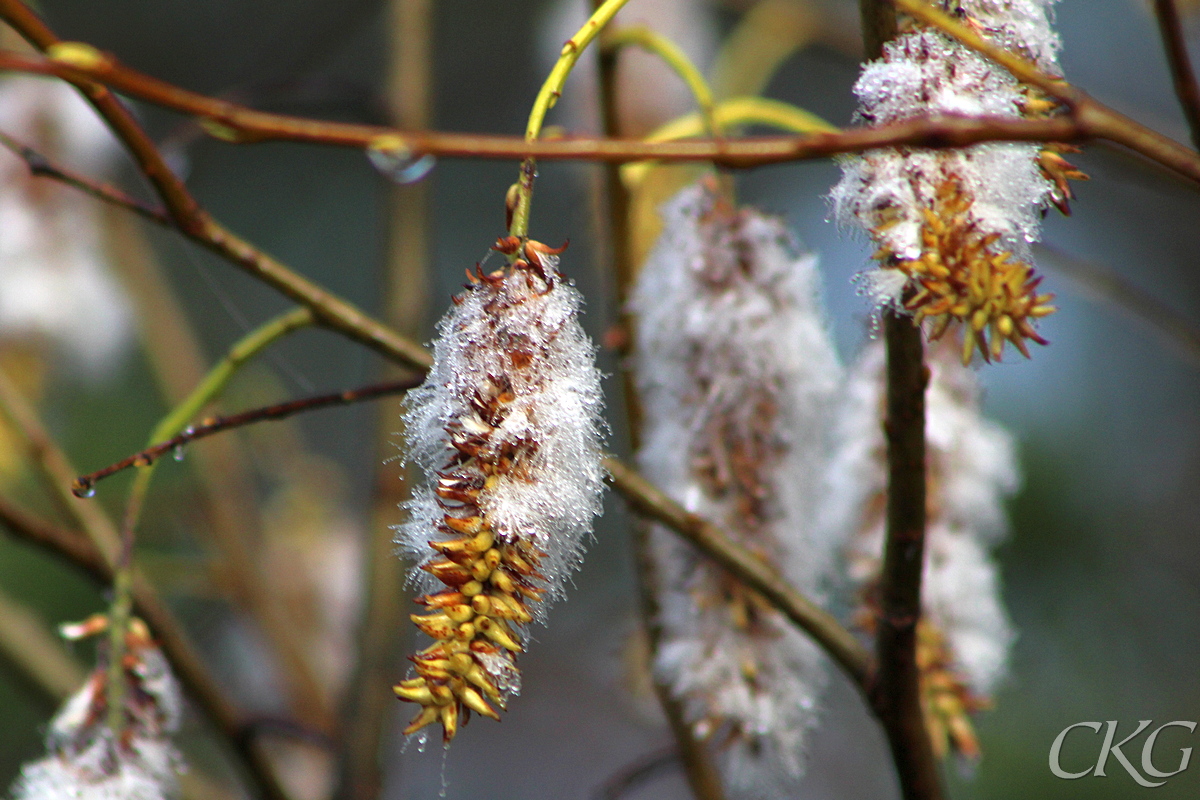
[673, 56]
[232, 516]
[639, 772]
[85, 484]
[1182, 74]
[602, 13]
[1088, 119]
[42, 167]
[839, 643]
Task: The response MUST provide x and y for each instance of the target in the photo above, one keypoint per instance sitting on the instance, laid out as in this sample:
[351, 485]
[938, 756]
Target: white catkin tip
[737, 374]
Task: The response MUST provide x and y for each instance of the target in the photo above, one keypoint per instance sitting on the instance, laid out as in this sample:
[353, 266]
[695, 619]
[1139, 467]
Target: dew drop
[391, 156]
[83, 488]
[422, 740]
[189, 431]
[445, 782]
[177, 453]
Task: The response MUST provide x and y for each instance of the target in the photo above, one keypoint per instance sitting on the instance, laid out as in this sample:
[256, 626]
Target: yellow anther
[414, 694]
[428, 714]
[497, 631]
[474, 701]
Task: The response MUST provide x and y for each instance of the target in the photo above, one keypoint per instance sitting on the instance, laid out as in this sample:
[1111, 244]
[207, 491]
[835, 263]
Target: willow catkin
[964, 635]
[736, 374]
[506, 429]
[88, 761]
[954, 227]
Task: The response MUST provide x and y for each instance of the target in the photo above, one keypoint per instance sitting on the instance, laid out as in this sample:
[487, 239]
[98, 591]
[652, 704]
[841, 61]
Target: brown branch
[42, 167]
[1088, 119]
[649, 501]
[1182, 75]
[895, 693]
[192, 672]
[84, 485]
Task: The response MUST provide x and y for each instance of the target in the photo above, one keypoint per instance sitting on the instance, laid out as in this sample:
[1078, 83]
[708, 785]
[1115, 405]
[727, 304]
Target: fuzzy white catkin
[972, 470]
[924, 72]
[554, 495]
[731, 343]
[83, 761]
[54, 282]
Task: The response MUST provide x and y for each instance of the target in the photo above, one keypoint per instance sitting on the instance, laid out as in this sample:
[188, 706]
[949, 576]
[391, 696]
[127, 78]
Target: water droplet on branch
[391, 156]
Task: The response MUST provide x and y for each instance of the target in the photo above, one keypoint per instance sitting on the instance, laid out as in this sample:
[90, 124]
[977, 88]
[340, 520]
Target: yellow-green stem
[213, 384]
[728, 114]
[550, 92]
[654, 42]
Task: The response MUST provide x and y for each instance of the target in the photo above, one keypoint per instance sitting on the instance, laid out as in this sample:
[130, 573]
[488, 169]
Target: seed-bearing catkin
[737, 374]
[86, 760]
[964, 634]
[506, 428]
[954, 227]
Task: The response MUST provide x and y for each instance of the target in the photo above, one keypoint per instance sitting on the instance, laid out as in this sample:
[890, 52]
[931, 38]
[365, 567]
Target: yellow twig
[550, 92]
[671, 54]
[732, 113]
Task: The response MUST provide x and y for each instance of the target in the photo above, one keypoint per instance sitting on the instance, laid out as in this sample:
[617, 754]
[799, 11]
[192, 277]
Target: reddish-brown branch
[42, 167]
[1088, 119]
[1182, 74]
[84, 484]
[895, 692]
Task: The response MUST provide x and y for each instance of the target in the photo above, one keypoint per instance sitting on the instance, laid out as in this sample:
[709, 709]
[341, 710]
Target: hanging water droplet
[445, 781]
[83, 488]
[391, 156]
[422, 740]
[177, 453]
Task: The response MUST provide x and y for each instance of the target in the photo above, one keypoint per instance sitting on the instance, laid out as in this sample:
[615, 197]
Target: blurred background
[1102, 569]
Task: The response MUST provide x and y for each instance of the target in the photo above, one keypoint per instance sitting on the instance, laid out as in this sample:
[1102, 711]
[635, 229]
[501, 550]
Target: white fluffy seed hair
[972, 470]
[83, 761]
[54, 281]
[553, 497]
[729, 314]
[925, 72]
